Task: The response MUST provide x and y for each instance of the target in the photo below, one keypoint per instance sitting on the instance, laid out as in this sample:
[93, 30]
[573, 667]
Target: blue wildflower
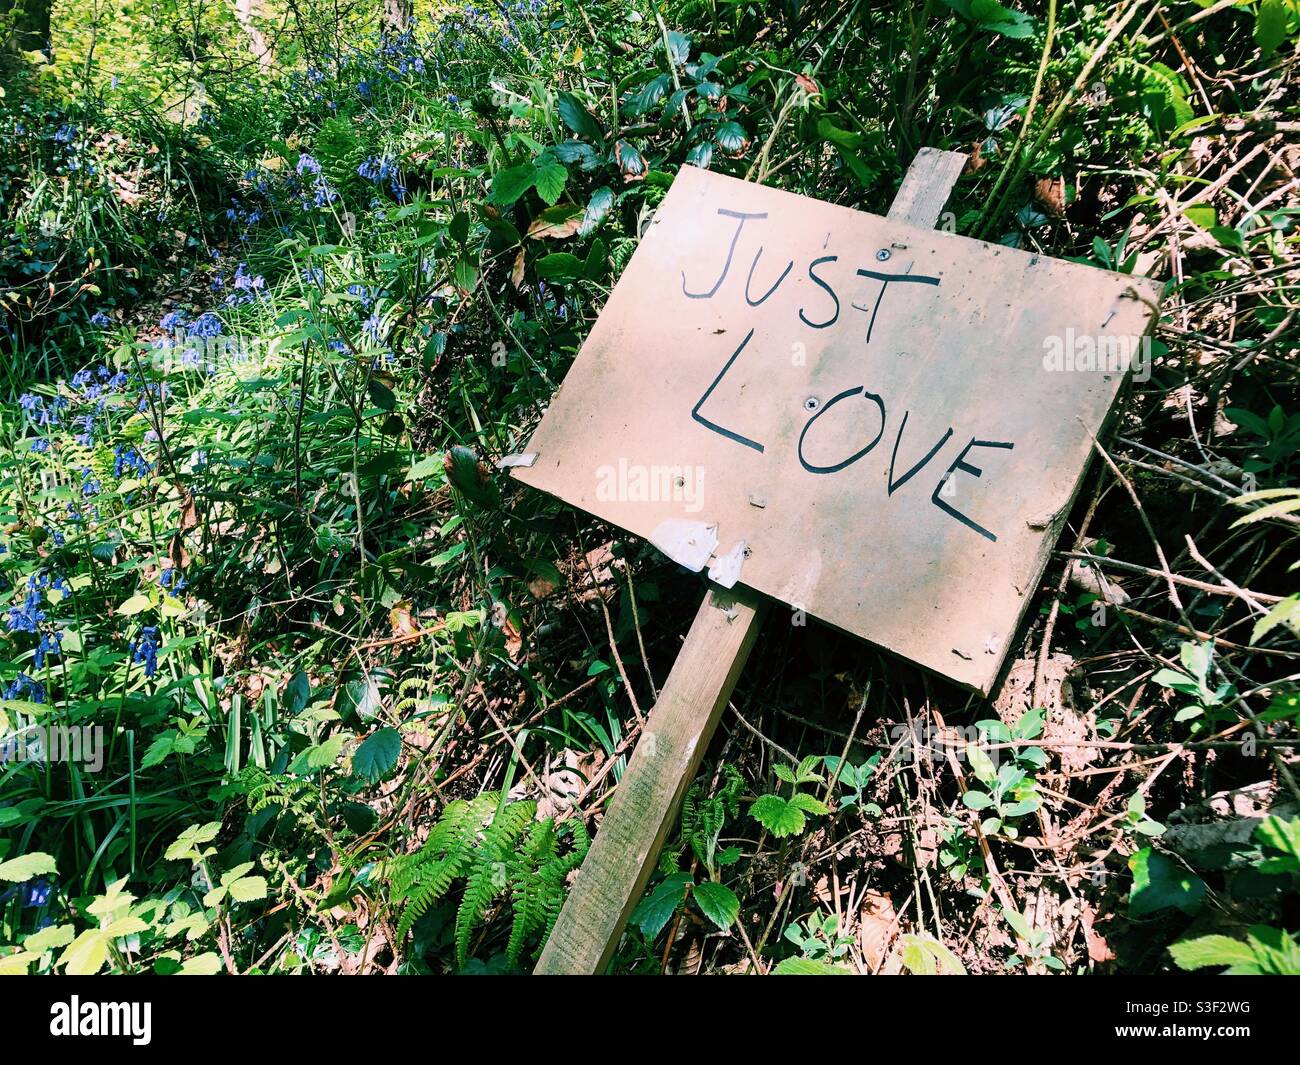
[144, 649]
[51, 644]
[36, 893]
[206, 325]
[24, 687]
[100, 319]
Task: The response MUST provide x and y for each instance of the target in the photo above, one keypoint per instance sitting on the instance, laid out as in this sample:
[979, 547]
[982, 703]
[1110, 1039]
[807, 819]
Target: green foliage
[271, 559]
[1160, 882]
[500, 851]
[1009, 792]
[788, 815]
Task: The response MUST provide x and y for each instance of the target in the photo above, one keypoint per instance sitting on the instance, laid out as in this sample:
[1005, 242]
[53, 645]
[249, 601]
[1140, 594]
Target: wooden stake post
[680, 725]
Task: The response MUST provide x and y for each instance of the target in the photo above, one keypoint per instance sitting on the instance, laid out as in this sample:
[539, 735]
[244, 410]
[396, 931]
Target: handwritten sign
[881, 426]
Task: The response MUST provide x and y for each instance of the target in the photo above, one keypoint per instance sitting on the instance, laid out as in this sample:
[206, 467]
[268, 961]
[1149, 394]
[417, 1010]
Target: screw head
[811, 403]
[882, 254]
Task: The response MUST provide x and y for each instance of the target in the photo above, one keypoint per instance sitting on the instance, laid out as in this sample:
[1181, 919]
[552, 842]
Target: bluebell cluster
[41, 412]
[24, 687]
[379, 168]
[27, 616]
[144, 649]
[127, 461]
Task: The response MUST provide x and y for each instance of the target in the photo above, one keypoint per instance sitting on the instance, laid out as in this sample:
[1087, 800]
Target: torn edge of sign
[693, 543]
[725, 570]
[688, 543]
[524, 459]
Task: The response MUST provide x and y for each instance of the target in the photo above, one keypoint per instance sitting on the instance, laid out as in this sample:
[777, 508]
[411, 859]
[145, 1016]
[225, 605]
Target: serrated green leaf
[86, 955]
[510, 184]
[248, 889]
[377, 755]
[549, 180]
[777, 816]
[656, 908]
[26, 867]
[1211, 950]
[717, 902]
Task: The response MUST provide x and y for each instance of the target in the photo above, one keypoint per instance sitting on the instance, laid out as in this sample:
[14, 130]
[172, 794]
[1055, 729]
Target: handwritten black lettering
[812, 273]
[742, 217]
[857, 454]
[695, 410]
[775, 285]
[893, 485]
[974, 471]
[876, 275]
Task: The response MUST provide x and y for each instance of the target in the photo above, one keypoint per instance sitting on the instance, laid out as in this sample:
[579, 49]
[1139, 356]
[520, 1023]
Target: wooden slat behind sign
[875, 410]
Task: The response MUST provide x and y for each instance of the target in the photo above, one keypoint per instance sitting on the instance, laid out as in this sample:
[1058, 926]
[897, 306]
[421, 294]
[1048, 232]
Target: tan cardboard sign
[878, 425]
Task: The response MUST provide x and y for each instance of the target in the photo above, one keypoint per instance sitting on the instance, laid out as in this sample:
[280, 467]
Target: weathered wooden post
[961, 358]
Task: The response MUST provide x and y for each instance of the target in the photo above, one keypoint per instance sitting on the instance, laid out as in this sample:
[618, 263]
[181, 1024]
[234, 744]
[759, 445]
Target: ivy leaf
[578, 118]
[777, 816]
[718, 903]
[377, 755]
[1159, 883]
[657, 907]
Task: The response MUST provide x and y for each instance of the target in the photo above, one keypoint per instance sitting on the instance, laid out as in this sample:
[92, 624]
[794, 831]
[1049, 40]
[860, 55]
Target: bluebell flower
[65, 134]
[51, 644]
[24, 687]
[172, 320]
[36, 893]
[206, 325]
[100, 319]
[144, 649]
[40, 444]
[376, 168]
[126, 459]
[307, 165]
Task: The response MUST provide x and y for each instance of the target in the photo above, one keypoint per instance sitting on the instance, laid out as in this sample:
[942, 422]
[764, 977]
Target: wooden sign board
[879, 425]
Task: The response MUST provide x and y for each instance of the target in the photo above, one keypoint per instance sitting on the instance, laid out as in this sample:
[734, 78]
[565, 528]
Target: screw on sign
[913, 467]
